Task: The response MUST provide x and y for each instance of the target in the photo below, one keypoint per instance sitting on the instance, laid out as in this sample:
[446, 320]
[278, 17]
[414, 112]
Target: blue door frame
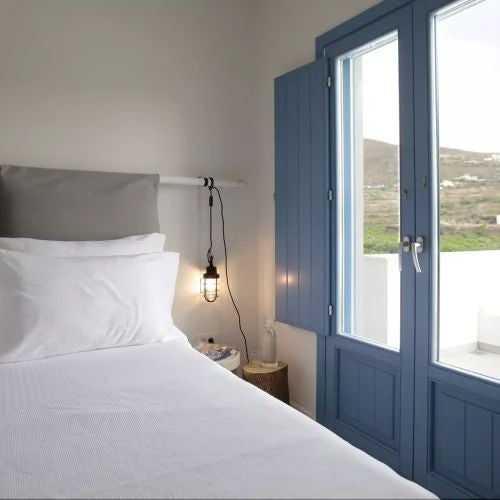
[447, 437]
[457, 418]
[367, 389]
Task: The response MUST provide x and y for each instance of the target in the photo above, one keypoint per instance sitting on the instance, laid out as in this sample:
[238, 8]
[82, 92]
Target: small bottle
[269, 345]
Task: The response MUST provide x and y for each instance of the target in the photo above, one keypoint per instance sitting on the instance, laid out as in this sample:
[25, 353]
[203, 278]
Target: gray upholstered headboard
[76, 205]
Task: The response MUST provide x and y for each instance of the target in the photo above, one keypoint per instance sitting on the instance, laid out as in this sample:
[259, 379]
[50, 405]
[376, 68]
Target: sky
[468, 82]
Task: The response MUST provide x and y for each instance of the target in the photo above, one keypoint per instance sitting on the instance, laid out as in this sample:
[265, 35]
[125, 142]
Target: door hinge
[328, 81]
[330, 195]
[330, 310]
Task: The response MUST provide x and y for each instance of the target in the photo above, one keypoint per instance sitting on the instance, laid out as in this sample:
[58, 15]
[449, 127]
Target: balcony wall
[469, 299]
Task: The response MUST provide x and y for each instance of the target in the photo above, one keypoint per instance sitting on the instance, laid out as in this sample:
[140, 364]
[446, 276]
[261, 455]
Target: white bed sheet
[163, 421]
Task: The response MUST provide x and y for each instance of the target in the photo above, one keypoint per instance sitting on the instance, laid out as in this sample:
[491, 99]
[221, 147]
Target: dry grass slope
[469, 199]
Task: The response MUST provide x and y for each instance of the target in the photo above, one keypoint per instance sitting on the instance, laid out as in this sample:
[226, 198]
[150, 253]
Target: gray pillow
[64, 205]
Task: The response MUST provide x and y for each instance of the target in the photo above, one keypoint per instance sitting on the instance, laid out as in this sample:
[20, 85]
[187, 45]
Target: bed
[161, 420]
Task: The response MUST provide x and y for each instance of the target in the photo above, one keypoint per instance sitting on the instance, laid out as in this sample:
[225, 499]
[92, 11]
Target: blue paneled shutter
[301, 197]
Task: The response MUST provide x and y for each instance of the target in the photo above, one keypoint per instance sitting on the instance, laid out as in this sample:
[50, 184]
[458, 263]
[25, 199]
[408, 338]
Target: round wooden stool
[273, 380]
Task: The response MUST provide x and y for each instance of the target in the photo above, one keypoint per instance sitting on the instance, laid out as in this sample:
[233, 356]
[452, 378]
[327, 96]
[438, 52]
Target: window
[467, 166]
[368, 179]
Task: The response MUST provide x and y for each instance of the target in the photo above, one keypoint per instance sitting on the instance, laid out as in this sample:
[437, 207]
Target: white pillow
[131, 245]
[58, 305]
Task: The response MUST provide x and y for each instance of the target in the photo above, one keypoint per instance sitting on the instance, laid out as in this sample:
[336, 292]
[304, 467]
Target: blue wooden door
[369, 358]
[383, 184]
[457, 391]
[302, 197]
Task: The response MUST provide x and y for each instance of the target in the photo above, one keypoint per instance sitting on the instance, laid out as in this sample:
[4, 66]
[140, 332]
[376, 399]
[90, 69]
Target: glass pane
[467, 83]
[368, 200]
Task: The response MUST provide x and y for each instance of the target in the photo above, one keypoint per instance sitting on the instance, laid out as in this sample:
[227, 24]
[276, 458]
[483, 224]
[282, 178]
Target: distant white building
[468, 178]
[447, 184]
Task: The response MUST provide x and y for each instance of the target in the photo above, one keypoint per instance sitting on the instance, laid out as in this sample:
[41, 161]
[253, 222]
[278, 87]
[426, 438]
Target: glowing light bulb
[209, 283]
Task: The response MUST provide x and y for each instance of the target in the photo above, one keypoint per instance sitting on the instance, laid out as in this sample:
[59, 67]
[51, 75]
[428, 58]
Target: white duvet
[163, 421]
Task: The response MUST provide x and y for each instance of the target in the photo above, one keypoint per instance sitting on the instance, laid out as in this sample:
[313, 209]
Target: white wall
[286, 40]
[469, 310]
[178, 87]
[143, 86]
[378, 312]
[470, 287]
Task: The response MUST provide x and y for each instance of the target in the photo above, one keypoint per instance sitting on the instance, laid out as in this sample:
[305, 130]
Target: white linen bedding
[130, 245]
[162, 420]
[53, 305]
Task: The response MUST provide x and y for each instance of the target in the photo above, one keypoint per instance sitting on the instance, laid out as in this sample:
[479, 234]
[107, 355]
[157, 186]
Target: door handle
[417, 247]
[404, 246]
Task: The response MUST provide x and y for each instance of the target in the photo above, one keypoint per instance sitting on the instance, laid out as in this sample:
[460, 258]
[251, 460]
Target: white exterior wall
[470, 288]
[379, 318]
[469, 298]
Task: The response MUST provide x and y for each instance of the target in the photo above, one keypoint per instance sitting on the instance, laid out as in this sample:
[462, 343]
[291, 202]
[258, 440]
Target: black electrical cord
[210, 205]
[225, 263]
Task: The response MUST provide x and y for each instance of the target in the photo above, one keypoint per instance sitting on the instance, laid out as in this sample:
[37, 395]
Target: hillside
[381, 160]
[469, 199]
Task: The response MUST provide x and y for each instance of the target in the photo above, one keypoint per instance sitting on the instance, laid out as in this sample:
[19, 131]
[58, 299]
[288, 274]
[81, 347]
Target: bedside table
[224, 355]
[273, 380]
